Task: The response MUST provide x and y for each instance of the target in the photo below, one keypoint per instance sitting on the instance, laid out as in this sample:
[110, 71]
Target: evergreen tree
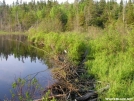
[129, 13]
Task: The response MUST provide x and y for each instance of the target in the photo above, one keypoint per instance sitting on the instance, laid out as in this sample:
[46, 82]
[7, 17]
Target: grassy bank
[109, 58]
[59, 44]
[113, 64]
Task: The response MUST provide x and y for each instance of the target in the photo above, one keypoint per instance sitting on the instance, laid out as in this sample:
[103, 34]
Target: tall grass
[109, 60]
[113, 63]
[56, 44]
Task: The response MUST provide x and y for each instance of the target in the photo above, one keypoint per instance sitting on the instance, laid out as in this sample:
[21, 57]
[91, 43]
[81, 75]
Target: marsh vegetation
[88, 43]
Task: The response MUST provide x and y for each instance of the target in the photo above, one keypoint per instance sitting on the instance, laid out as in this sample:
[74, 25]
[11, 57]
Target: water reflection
[17, 46]
[19, 59]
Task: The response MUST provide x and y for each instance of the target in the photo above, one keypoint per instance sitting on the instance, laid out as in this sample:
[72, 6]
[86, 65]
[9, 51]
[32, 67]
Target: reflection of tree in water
[17, 46]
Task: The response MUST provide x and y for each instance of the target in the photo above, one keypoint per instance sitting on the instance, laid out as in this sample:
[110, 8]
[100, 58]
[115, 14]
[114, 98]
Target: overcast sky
[11, 1]
[60, 1]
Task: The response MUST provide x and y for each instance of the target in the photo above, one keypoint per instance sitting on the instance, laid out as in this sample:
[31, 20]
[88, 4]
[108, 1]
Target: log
[38, 100]
[53, 96]
[96, 99]
[104, 89]
[86, 96]
[57, 96]
[93, 93]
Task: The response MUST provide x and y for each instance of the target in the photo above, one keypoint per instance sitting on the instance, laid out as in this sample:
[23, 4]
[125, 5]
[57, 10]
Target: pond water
[19, 59]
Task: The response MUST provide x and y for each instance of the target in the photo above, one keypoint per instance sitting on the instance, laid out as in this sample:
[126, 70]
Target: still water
[19, 59]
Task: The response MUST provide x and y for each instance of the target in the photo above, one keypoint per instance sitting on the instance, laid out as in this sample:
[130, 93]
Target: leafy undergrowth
[109, 58]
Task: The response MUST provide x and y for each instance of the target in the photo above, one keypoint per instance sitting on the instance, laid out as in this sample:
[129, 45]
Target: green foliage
[81, 19]
[55, 43]
[24, 90]
[109, 60]
[28, 20]
[46, 97]
[130, 13]
[110, 57]
[113, 63]
[52, 16]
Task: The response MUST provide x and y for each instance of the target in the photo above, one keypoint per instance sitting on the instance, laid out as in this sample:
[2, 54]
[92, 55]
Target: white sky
[60, 1]
[11, 1]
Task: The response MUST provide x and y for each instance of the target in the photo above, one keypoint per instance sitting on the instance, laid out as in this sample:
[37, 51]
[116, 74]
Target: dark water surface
[19, 59]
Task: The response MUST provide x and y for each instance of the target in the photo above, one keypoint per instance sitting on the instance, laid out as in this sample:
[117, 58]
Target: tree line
[53, 16]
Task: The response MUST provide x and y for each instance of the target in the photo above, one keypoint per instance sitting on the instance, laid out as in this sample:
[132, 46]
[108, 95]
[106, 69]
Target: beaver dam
[21, 63]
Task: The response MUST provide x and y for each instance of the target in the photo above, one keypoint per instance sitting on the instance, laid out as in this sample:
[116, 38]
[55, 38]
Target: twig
[35, 74]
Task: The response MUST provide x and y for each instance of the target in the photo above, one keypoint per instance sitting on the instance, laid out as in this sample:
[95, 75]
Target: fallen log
[96, 99]
[104, 89]
[86, 96]
[57, 96]
[93, 93]
[53, 96]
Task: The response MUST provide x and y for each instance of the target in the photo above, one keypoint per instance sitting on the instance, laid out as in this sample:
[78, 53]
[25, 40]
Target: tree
[129, 13]
[28, 20]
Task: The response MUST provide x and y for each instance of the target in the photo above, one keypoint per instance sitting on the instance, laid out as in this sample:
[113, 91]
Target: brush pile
[70, 85]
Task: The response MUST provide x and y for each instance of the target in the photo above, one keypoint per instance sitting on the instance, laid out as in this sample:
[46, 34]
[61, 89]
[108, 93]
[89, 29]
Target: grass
[109, 60]
[113, 63]
[56, 44]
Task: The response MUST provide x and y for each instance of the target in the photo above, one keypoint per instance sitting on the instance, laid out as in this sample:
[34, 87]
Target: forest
[91, 43]
[52, 16]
